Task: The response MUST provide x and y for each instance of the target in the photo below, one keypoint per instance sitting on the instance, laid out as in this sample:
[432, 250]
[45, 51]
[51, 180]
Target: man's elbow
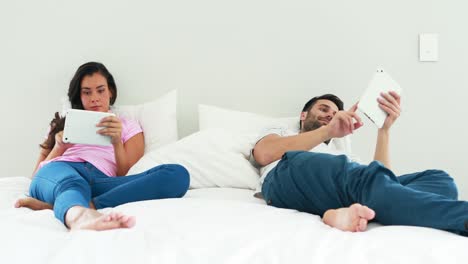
[262, 157]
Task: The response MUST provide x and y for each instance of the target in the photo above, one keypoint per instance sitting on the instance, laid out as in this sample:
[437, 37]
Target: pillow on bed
[248, 123]
[152, 116]
[157, 118]
[232, 120]
[213, 157]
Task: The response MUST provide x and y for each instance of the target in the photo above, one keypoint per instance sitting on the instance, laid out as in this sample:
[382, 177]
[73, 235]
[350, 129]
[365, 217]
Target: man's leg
[308, 182]
[433, 181]
[313, 183]
[396, 204]
[164, 181]
[353, 218]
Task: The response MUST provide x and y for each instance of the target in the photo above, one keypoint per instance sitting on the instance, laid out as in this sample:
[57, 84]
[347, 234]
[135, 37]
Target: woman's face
[95, 93]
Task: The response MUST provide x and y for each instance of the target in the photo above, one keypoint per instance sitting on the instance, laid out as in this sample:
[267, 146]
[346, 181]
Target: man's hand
[344, 123]
[390, 103]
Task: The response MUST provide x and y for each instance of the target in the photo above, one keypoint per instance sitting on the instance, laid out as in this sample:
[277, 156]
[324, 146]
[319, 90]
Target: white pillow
[245, 122]
[217, 117]
[157, 118]
[213, 157]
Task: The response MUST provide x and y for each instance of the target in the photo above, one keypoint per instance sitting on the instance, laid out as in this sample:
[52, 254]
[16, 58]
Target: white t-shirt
[336, 146]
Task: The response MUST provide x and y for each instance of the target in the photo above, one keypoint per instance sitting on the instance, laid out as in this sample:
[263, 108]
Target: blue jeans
[315, 182]
[68, 184]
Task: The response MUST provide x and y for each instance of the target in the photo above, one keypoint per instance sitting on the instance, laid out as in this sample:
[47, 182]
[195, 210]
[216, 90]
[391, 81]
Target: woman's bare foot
[32, 203]
[79, 217]
[36, 204]
[353, 218]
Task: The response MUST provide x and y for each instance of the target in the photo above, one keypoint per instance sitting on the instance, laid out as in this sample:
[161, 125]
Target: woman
[78, 179]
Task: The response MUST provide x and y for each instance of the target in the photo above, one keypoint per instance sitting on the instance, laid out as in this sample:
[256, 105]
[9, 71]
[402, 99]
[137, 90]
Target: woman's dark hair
[74, 95]
[88, 69]
[331, 97]
[56, 125]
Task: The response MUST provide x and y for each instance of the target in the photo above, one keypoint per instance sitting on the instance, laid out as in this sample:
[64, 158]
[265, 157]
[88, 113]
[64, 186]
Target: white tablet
[80, 128]
[368, 105]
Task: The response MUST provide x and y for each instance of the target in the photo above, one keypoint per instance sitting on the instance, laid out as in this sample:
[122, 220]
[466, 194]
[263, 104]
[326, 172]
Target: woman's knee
[174, 177]
[181, 178]
[53, 179]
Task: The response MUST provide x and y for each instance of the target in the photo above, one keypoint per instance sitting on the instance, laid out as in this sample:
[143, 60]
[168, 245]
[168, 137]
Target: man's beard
[310, 125]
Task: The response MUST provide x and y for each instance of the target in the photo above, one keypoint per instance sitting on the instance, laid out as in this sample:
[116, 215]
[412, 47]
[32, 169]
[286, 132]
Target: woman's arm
[126, 155]
[47, 154]
[42, 156]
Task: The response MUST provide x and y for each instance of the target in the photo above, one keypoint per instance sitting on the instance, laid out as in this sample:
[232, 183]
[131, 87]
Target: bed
[218, 220]
[213, 225]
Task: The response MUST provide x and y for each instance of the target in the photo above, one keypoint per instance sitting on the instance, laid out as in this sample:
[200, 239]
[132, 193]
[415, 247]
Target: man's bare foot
[79, 217]
[32, 203]
[36, 204]
[353, 218]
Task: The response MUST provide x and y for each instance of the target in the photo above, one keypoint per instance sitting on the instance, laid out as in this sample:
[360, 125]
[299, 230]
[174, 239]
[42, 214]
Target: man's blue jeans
[315, 182]
[68, 184]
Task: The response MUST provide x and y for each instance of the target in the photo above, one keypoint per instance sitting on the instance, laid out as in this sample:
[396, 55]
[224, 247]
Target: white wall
[261, 56]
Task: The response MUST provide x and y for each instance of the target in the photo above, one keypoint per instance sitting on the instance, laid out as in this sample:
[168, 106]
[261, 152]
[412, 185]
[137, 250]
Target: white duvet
[218, 225]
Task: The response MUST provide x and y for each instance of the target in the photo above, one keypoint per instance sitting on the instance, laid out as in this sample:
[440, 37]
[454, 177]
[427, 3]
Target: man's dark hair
[330, 97]
[88, 69]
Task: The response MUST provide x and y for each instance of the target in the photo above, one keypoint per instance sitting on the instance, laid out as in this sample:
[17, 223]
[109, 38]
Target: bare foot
[32, 203]
[36, 204]
[79, 217]
[353, 218]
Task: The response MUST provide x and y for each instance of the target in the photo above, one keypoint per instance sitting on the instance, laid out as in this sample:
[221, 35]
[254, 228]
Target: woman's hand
[112, 128]
[59, 144]
[390, 103]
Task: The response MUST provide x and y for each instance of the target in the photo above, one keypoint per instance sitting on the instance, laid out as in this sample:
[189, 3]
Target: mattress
[215, 225]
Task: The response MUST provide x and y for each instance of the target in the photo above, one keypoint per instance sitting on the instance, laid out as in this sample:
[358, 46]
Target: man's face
[319, 115]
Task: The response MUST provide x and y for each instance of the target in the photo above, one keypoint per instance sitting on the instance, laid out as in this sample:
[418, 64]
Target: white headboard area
[261, 56]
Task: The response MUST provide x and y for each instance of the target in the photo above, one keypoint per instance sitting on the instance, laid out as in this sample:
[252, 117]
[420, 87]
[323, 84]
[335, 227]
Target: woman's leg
[33, 203]
[60, 184]
[164, 181]
[65, 185]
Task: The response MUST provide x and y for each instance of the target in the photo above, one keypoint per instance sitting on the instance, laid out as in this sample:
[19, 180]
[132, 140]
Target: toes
[364, 211]
[107, 218]
[107, 225]
[122, 220]
[370, 213]
[362, 226]
[130, 222]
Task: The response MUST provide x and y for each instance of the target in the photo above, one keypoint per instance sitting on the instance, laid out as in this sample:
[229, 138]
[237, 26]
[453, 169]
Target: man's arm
[391, 105]
[272, 147]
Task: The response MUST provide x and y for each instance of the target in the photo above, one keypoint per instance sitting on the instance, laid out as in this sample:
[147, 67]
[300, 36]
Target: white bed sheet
[217, 225]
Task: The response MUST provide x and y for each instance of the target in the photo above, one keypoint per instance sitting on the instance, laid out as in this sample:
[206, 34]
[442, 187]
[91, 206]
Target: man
[309, 172]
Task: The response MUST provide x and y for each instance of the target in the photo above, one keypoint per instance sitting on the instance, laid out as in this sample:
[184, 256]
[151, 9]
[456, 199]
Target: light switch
[428, 47]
